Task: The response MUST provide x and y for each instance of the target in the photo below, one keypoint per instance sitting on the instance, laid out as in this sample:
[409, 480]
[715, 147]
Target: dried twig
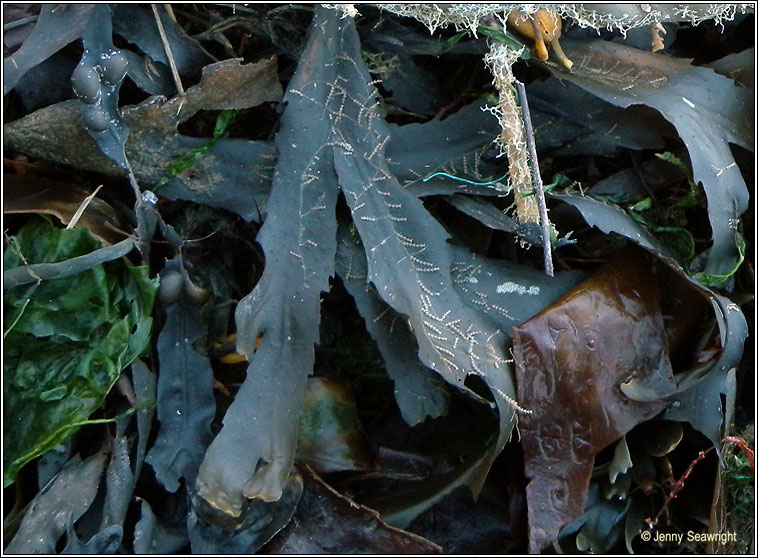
[167, 48]
[82, 208]
[170, 12]
[536, 178]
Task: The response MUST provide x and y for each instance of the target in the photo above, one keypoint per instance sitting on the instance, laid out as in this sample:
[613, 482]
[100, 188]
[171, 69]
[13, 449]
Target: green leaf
[673, 159]
[452, 41]
[71, 338]
[504, 38]
[716, 279]
[642, 205]
[681, 241]
[225, 118]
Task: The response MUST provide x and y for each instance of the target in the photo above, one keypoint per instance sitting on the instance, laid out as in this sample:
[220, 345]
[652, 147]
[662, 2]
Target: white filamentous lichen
[434, 16]
[512, 140]
[597, 16]
[348, 10]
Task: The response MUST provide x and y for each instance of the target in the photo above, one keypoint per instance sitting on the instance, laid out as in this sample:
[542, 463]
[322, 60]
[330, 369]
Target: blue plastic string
[490, 183]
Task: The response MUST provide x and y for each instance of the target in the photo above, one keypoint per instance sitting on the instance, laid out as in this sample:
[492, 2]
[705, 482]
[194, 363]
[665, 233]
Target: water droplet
[149, 197]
